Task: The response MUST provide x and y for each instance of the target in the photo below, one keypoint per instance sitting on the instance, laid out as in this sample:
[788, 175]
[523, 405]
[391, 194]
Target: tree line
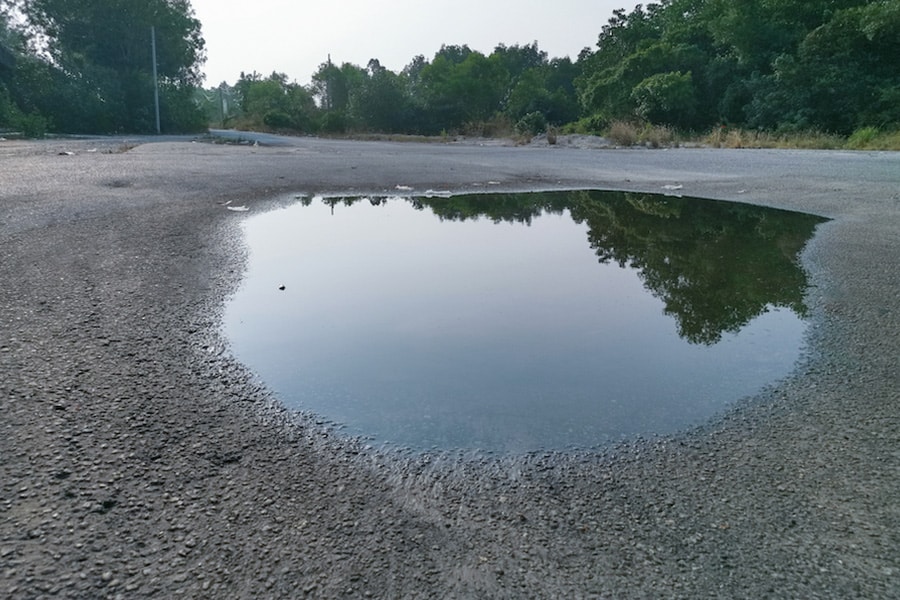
[690, 65]
[459, 89]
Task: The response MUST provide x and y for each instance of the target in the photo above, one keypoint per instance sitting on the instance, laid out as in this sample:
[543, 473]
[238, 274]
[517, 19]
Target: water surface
[520, 322]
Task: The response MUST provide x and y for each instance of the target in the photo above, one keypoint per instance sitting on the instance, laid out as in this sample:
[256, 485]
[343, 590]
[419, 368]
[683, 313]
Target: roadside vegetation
[756, 73]
[622, 133]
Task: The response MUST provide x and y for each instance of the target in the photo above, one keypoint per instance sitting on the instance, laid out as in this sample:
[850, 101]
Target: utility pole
[155, 77]
[329, 104]
[222, 105]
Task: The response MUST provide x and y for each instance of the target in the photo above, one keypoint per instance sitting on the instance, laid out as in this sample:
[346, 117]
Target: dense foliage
[458, 90]
[770, 64]
[87, 66]
[688, 65]
[691, 65]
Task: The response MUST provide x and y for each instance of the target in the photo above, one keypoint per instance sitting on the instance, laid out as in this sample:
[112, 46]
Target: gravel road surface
[138, 459]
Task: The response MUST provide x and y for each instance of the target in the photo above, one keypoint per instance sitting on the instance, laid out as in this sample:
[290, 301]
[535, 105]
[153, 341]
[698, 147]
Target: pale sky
[295, 37]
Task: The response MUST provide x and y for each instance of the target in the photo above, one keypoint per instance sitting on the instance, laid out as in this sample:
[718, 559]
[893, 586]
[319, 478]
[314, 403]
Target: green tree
[461, 86]
[611, 91]
[9, 112]
[381, 102]
[535, 86]
[530, 94]
[330, 86]
[544, 90]
[772, 64]
[666, 98]
[440, 97]
[102, 49]
[275, 103]
[454, 54]
[7, 56]
[845, 73]
[759, 31]
[417, 119]
[334, 87]
[515, 61]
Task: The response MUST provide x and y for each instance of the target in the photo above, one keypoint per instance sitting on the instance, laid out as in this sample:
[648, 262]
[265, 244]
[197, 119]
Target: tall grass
[623, 133]
[631, 133]
[626, 133]
[867, 138]
[871, 138]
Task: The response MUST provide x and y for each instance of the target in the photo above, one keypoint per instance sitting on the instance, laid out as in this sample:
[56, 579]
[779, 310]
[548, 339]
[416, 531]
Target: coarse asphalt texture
[139, 459]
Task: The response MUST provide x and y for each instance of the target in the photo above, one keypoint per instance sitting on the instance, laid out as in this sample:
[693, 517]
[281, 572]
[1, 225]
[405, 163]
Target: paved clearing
[138, 459]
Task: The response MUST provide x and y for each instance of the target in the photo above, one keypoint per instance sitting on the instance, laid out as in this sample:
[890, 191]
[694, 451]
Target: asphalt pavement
[139, 459]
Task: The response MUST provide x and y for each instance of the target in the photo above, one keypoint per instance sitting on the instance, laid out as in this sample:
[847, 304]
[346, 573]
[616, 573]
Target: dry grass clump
[552, 135]
[394, 137]
[498, 126]
[626, 133]
[726, 137]
[623, 133]
[658, 136]
[867, 138]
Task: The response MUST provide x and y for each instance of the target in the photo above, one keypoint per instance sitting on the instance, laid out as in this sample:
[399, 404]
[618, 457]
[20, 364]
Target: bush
[593, 125]
[333, 121]
[31, 125]
[34, 125]
[532, 124]
[179, 113]
[277, 119]
[862, 138]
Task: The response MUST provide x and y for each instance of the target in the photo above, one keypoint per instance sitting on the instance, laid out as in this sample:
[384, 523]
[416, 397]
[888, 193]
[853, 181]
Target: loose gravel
[139, 459]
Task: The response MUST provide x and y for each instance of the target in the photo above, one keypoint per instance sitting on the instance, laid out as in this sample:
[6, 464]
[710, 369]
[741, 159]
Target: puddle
[519, 322]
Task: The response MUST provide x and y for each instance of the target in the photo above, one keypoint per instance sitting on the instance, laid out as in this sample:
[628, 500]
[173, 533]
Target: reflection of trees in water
[715, 265]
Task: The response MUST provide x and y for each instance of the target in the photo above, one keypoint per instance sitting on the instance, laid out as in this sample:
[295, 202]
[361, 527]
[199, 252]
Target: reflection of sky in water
[475, 334]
